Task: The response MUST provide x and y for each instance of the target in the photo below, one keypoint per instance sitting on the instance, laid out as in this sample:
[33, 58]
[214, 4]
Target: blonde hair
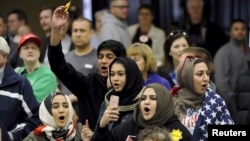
[146, 52]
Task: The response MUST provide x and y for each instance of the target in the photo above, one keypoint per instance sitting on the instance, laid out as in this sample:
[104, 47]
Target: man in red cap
[41, 78]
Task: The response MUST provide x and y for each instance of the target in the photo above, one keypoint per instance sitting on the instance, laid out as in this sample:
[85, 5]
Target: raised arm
[59, 19]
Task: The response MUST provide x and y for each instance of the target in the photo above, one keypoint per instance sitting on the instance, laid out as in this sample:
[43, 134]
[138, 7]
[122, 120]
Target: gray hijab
[186, 97]
[164, 108]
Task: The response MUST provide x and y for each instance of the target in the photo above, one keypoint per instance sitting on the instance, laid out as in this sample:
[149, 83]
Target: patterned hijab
[130, 94]
[185, 97]
[164, 107]
[50, 128]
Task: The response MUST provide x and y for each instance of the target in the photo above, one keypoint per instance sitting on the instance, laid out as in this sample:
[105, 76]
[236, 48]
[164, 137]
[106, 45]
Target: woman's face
[60, 110]
[176, 48]
[140, 61]
[148, 103]
[118, 77]
[201, 77]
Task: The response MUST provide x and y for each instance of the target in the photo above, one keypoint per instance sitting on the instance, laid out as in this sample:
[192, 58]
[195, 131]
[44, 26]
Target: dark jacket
[102, 134]
[90, 90]
[239, 105]
[213, 36]
[19, 113]
[121, 132]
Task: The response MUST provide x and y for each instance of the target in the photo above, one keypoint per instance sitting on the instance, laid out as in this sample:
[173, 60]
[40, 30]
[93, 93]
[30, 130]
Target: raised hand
[59, 17]
[86, 132]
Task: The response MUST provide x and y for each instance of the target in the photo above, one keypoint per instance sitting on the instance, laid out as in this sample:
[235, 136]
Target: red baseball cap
[29, 37]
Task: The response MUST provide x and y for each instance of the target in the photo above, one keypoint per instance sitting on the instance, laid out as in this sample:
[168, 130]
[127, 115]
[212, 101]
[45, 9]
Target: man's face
[145, 16]
[239, 32]
[105, 57]
[30, 52]
[81, 33]
[45, 19]
[13, 23]
[194, 9]
[119, 9]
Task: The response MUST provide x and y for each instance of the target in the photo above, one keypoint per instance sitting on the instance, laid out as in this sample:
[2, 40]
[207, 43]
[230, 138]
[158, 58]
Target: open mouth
[146, 109]
[104, 68]
[116, 84]
[204, 86]
[61, 117]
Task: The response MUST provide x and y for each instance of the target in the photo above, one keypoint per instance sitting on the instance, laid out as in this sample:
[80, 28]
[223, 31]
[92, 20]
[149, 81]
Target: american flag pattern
[213, 112]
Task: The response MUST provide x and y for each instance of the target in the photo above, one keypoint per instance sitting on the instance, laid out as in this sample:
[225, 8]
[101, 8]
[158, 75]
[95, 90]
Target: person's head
[82, 32]
[107, 51]
[198, 52]
[45, 16]
[3, 27]
[145, 14]
[124, 75]
[195, 10]
[119, 8]
[98, 20]
[144, 57]
[154, 133]
[16, 18]
[155, 106]
[22, 30]
[4, 52]
[238, 30]
[193, 74]
[29, 48]
[176, 41]
[56, 111]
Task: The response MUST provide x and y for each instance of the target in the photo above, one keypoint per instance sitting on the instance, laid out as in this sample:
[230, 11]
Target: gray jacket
[114, 28]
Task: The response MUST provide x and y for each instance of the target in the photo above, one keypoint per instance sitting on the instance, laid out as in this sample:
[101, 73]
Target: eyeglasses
[177, 32]
[121, 6]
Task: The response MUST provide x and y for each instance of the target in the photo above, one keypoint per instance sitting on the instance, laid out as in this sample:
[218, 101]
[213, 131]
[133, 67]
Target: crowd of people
[167, 85]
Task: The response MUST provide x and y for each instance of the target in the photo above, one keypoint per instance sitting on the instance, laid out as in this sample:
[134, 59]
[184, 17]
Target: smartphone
[114, 101]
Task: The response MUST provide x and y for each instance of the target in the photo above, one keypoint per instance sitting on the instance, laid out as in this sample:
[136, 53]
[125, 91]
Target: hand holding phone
[114, 101]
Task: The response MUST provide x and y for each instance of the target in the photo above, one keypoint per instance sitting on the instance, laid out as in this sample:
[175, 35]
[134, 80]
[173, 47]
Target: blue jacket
[155, 78]
[19, 110]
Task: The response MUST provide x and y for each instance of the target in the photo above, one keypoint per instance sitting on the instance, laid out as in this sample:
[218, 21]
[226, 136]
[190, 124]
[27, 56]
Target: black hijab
[134, 82]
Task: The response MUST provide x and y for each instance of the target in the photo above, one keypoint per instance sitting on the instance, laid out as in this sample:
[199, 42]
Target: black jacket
[90, 90]
[122, 131]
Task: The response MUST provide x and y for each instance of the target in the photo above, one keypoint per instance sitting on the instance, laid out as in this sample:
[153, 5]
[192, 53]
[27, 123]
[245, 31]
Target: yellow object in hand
[67, 6]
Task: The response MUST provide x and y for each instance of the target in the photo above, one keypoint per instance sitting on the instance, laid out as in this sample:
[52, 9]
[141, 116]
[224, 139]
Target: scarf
[164, 107]
[51, 131]
[130, 94]
[185, 96]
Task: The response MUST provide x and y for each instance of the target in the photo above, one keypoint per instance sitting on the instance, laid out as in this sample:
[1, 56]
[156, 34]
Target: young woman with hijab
[176, 41]
[56, 113]
[196, 105]
[155, 108]
[126, 82]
